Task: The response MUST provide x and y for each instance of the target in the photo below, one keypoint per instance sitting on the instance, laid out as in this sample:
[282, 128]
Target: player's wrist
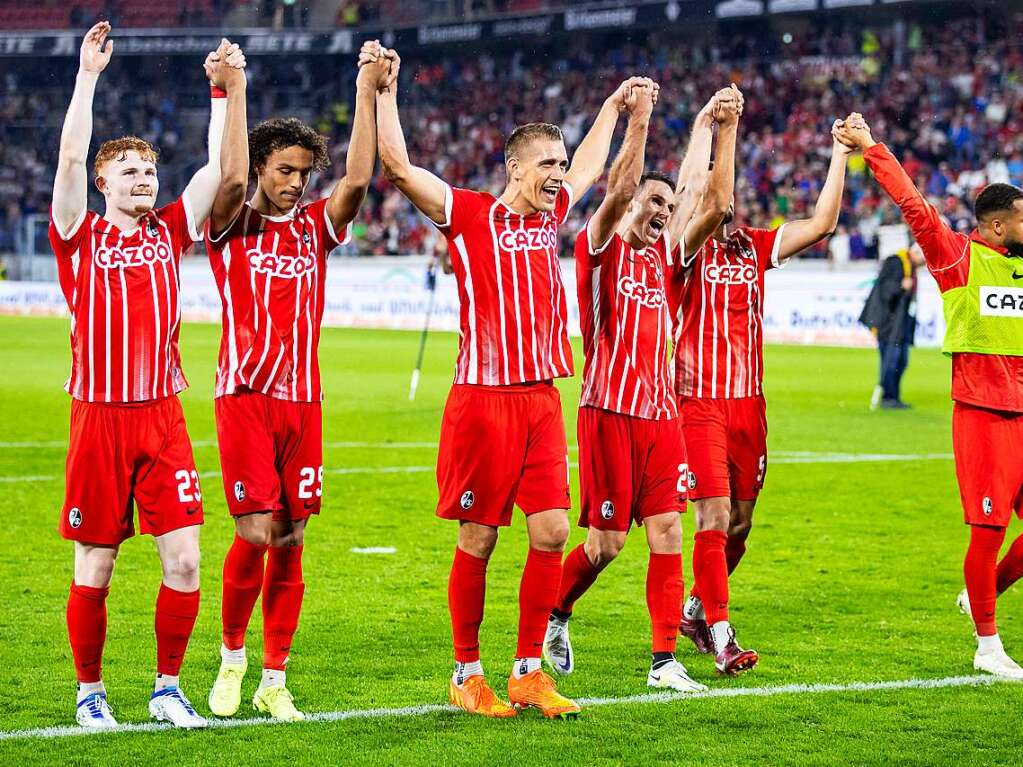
[87, 74]
[216, 92]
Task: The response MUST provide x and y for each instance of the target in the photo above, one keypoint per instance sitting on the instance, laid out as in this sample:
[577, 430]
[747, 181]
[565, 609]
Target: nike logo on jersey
[138, 255]
[1016, 276]
[281, 264]
[309, 504]
[638, 291]
[191, 510]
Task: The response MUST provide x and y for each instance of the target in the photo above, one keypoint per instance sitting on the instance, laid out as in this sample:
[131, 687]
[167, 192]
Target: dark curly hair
[280, 133]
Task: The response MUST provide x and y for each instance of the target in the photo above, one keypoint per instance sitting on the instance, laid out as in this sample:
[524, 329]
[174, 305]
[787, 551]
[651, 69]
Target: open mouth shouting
[655, 226]
[549, 192]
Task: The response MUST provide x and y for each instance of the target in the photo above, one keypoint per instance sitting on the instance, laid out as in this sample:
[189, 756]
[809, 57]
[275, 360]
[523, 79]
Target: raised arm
[423, 189]
[626, 170]
[224, 70]
[721, 186]
[799, 235]
[591, 155]
[348, 194]
[234, 153]
[941, 246]
[693, 173]
[71, 182]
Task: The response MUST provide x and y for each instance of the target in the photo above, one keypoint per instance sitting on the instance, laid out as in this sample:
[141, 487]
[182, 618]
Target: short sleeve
[766, 243]
[65, 244]
[592, 250]
[317, 212]
[461, 206]
[176, 217]
[563, 202]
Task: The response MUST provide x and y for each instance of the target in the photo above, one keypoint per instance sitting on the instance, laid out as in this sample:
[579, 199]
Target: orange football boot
[476, 697]
[538, 690]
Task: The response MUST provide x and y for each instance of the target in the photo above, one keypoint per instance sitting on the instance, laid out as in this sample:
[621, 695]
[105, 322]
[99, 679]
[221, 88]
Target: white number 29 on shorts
[310, 482]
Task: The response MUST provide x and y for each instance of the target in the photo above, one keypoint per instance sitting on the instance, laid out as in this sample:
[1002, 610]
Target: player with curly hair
[269, 258]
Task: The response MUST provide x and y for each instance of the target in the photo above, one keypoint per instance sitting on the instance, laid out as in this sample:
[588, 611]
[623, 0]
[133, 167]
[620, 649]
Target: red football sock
[243, 580]
[87, 630]
[979, 569]
[1010, 568]
[467, 588]
[175, 618]
[282, 602]
[664, 591]
[712, 574]
[734, 549]
[577, 575]
[538, 593]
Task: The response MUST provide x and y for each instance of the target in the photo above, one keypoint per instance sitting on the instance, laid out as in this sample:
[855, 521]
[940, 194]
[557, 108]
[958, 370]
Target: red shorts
[629, 469]
[726, 440]
[501, 446]
[118, 454]
[989, 463]
[271, 455]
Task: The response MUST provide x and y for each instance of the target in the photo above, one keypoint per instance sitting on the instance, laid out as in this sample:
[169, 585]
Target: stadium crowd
[947, 102]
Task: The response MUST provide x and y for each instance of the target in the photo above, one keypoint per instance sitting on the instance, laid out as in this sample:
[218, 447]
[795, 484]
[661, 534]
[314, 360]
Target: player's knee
[255, 529]
[477, 540]
[288, 539]
[552, 536]
[740, 528]
[182, 565]
[712, 517]
[664, 537]
[602, 550]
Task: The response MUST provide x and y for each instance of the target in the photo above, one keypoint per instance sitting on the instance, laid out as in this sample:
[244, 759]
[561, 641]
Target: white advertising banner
[805, 303]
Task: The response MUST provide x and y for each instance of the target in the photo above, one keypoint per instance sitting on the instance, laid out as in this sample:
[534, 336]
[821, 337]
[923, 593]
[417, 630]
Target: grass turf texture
[851, 576]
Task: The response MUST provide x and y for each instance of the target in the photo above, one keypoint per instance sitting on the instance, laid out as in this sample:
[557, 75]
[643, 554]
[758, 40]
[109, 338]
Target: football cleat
[538, 690]
[557, 647]
[963, 603]
[673, 675]
[733, 659]
[475, 696]
[171, 705]
[698, 632]
[997, 662]
[94, 712]
[226, 695]
[278, 702]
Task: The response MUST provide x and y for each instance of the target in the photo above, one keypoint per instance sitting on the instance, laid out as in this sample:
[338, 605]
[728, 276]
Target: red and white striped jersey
[513, 324]
[270, 271]
[122, 290]
[626, 327]
[718, 303]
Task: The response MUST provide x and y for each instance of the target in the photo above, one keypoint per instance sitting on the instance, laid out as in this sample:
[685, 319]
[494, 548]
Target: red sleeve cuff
[217, 93]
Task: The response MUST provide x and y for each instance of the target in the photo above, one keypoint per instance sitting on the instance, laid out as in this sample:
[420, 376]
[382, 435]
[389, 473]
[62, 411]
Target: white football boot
[673, 676]
[171, 705]
[557, 647]
[94, 712]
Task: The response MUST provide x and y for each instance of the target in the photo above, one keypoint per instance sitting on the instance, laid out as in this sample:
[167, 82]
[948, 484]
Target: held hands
[378, 67]
[840, 146]
[96, 49]
[853, 132]
[225, 66]
[623, 96]
[640, 98]
[727, 105]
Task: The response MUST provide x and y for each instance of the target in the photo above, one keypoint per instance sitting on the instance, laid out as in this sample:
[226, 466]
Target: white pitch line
[977, 680]
[374, 550]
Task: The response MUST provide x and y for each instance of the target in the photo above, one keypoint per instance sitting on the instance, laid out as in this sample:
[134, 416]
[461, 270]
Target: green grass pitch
[851, 576]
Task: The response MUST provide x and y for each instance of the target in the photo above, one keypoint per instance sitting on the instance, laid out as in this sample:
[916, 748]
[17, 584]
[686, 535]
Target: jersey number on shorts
[310, 482]
[188, 486]
[682, 488]
[761, 469]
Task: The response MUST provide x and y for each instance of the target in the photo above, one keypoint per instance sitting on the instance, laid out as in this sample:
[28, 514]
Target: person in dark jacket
[890, 312]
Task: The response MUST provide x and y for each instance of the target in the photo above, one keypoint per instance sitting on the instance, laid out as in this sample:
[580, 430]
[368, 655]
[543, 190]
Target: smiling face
[539, 167]
[128, 182]
[285, 175]
[649, 211]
